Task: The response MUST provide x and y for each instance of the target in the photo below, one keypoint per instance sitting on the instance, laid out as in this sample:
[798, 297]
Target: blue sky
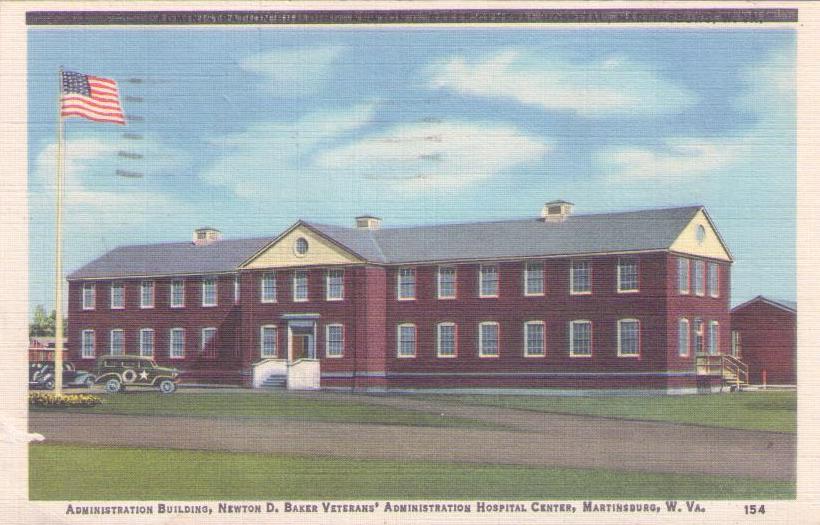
[250, 129]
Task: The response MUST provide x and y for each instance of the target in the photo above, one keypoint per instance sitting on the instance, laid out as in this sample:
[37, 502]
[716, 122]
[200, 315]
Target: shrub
[44, 399]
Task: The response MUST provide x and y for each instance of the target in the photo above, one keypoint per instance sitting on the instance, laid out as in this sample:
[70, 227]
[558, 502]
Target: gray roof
[781, 303]
[644, 230]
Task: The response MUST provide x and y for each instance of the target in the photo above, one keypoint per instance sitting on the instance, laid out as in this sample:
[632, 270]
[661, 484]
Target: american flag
[90, 97]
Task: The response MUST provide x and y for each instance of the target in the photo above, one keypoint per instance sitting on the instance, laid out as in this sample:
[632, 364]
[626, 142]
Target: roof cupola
[556, 211]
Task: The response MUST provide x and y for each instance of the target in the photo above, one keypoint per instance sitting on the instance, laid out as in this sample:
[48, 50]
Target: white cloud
[293, 72]
[612, 86]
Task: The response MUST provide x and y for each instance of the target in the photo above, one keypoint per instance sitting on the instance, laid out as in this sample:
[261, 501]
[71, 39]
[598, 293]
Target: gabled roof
[790, 306]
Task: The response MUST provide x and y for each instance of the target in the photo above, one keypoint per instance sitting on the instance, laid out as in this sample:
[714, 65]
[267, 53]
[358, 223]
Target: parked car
[41, 375]
[119, 372]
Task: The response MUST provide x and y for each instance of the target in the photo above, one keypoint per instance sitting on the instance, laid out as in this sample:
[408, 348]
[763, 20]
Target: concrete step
[275, 382]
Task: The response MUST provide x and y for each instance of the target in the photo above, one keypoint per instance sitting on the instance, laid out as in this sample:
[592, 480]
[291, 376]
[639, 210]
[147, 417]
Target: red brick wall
[768, 342]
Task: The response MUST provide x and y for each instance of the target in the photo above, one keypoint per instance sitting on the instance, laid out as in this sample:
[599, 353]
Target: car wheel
[49, 384]
[112, 386]
[89, 382]
[167, 386]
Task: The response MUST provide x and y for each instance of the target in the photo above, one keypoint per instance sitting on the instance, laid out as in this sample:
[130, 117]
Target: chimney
[368, 222]
[556, 211]
[207, 235]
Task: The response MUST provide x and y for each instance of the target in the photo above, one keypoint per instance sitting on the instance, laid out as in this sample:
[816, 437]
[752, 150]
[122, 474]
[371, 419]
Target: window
[147, 294]
[300, 285]
[446, 282]
[488, 339]
[407, 340]
[699, 284]
[89, 296]
[334, 340]
[627, 274]
[580, 339]
[698, 336]
[117, 296]
[88, 343]
[177, 294]
[147, 342]
[446, 340]
[177, 343]
[714, 338]
[683, 276]
[209, 292]
[736, 344]
[683, 337]
[117, 342]
[236, 288]
[335, 285]
[268, 284]
[267, 341]
[208, 341]
[489, 281]
[300, 247]
[534, 341]
[534, 279]
[714, 280]
[629, 338]
[407, 284]
[580, 278]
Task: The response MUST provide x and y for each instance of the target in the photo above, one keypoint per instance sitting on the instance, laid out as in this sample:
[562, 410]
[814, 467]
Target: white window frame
[143, 339]
[455, 282]
[714, 338]
[543, 351]
[205, 282]
[699, 333]
[620, 333]
[527, 270]
[92, 304]
[274, 288]
[737, 344]
[121, 286]
[177, 283]
[171, 352]
[399, 340]
[439, 326]
[411, 272]
[700, 291]
[481, 352]
[481, 292]
[620, 265]
[713, 270]
[341, 353]
[683, 261]
[153, 286]
[202, 340]
[572, 290]
[329, 287]
[297, 274]
[684, 321]
[111, 342]
[85, 354]
[262, 353]
[572, 325]
[236, 289]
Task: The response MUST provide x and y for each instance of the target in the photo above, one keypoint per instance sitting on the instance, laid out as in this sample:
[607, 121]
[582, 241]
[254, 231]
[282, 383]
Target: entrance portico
[301, 336]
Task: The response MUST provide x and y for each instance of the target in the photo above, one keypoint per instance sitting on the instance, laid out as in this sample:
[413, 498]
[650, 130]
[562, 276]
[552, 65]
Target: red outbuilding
[636, 299]
[764, 336]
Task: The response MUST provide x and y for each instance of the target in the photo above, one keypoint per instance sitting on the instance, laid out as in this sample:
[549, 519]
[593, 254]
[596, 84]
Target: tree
[43, 325]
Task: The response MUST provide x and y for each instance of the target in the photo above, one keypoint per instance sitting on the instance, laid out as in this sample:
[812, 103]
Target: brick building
[764, 335]
[614, 300]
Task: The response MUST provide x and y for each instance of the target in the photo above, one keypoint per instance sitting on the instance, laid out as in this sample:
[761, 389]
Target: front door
[302, 342]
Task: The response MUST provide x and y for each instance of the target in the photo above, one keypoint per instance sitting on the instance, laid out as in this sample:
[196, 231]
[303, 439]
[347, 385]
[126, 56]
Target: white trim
[93, 343]
[618, 267]
[688, 337]
[699, 263]
[237, 288]
[688, 288]
[714, 329]
[398, 340]
[572, 264]
[714, 292]
[202, 341]
[306, 274]
[93, 288]
[296, 244]
[438, 340]
[216, 292]
[327, 284]
[527, 265]
[628, 320]
[481, 293]
[481, 353]
[275, 353]
[702, 332]
[153, 286]
[171, 343]
[763, 299]
[111, 342]
[171, 298]
[115, 284]
[543, 352]
[142, 340]
[399, 296]
[262, 298]
[572, 338]
[327, 340]
[438, 283]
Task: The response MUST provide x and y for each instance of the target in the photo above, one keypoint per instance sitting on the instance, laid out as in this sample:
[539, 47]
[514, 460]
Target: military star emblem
[144, 375]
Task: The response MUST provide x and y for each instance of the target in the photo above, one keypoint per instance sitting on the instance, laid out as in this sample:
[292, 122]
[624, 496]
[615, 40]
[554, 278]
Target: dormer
[556, 211]
[368, 222]
[206, 235]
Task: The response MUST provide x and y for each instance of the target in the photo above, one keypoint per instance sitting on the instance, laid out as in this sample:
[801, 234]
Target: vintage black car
[41, 375]
[119, 372]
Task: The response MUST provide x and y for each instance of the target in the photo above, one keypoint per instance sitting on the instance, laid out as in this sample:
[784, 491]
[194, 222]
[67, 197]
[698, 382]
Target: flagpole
[58, 263]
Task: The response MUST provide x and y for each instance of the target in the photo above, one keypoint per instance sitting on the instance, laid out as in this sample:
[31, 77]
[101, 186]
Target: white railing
[304, 374]
[266, 368]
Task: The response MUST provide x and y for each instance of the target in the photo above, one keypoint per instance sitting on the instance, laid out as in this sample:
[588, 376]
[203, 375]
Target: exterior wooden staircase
[733, 372]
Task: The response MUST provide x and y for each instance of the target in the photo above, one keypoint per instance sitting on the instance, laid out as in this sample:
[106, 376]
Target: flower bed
[42, 399]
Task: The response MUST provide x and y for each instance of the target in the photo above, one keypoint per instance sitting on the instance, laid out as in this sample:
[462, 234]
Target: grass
[775, 411]
[272, 405]
[71, 472]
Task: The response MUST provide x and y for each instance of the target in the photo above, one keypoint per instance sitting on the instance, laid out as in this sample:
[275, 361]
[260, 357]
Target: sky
[249, 129]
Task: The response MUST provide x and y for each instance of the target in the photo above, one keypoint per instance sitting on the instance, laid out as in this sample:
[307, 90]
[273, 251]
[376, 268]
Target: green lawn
[774, 410]
[273, 405]
[69, 472]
